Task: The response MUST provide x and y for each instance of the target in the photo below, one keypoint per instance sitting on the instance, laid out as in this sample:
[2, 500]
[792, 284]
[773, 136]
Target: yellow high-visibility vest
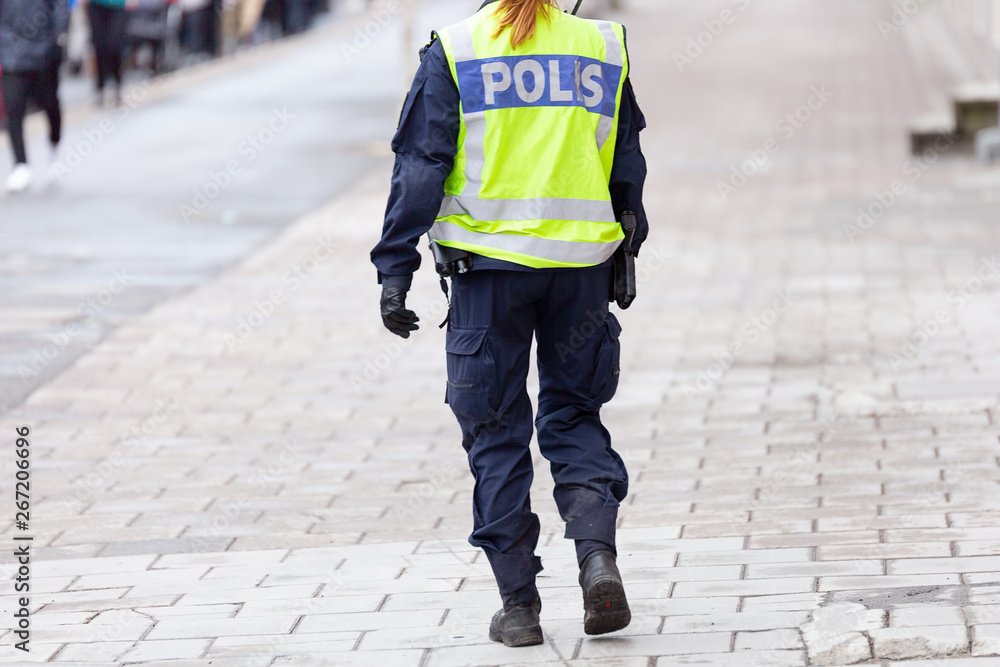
[537, 141]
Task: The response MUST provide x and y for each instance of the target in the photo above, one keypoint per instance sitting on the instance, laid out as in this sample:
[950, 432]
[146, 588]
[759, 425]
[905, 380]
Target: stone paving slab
[256, 473]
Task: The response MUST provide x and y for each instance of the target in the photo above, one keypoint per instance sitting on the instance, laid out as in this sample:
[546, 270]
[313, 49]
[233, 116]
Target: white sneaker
[19, 179]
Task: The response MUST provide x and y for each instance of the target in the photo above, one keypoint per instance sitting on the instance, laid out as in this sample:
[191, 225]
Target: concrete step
[974, 109]
[932, 128]
[976, 106]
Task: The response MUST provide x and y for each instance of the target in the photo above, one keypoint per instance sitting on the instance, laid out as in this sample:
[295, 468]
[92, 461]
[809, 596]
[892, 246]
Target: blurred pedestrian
[518, 152]
[109, 36]
[250, 12]
[197, 26]
[30, 54]
[77, 39]
[297, 16]
[148, 27]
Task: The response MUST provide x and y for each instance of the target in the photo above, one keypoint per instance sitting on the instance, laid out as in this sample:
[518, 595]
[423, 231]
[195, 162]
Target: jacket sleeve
[628, 174]
[425, 145]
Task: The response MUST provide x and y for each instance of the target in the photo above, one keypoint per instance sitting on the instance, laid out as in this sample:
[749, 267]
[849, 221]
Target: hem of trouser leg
[585, 548]
[513, 573]
[598, 524]
[524, 595]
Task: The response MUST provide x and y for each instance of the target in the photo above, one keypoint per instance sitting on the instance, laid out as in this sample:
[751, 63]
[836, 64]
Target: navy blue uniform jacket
[425, 145]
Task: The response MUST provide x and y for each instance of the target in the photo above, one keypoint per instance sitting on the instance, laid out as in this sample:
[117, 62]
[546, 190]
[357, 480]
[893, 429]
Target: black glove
[395, 316]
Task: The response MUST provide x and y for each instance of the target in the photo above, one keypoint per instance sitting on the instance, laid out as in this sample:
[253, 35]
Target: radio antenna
[577, 8]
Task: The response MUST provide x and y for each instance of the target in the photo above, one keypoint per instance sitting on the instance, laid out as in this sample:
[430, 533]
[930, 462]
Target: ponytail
[520, 16]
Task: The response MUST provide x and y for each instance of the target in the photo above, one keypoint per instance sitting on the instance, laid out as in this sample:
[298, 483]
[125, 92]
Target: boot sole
[518, 637]
[607, 609]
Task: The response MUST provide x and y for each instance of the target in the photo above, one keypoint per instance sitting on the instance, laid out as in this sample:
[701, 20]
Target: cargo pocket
[608, 365]
[466, 391]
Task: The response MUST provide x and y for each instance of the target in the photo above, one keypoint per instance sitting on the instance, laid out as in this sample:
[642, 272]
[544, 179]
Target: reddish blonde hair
[520, 16]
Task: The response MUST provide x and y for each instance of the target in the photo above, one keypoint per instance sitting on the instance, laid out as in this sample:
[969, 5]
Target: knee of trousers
[607, 365]
[582, 371]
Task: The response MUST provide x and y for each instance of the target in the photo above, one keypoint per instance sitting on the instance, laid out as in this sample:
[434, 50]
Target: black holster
[623, 285]
[450, 261]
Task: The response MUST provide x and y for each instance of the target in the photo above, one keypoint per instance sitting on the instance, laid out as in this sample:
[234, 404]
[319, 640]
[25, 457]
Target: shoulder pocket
[404, 113]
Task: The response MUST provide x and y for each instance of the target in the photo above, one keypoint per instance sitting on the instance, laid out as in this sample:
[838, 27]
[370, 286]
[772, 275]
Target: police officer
[519, 143]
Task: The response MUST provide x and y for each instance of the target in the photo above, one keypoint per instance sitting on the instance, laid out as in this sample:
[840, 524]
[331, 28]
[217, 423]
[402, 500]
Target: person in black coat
[30, 32]
[109, 22]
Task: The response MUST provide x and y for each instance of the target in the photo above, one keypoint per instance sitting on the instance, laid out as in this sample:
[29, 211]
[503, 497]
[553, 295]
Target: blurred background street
[125, 172]
[235, 464]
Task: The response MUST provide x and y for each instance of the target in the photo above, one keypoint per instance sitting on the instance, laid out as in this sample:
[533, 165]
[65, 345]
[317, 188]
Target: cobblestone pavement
[256, 473]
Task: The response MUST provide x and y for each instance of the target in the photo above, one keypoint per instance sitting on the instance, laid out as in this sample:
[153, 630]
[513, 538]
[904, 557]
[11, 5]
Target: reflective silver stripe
[604, 127]
[613, 47]
[464, 49]
[475, 152]
[567, 252]
[613, 56]
[462, 46]
[519, 210]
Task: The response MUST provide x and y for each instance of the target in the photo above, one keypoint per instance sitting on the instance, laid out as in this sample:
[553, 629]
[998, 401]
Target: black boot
[517, 625]
[603, 595]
